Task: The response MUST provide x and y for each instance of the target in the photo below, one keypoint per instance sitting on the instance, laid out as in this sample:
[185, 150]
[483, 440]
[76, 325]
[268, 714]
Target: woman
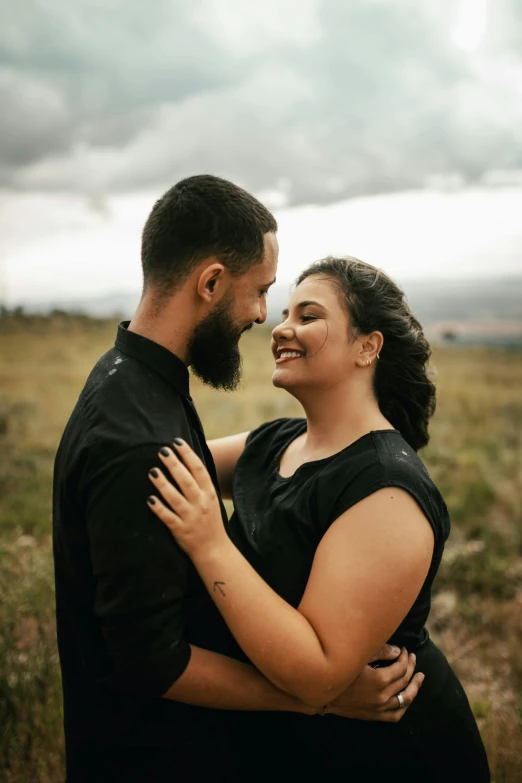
[337, 534]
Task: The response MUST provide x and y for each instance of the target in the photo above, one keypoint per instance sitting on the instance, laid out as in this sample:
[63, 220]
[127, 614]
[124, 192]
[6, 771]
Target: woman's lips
[281, 359]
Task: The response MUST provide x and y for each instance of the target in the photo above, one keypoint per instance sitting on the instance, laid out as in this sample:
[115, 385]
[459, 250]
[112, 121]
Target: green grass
[475, 457]
[31, 746]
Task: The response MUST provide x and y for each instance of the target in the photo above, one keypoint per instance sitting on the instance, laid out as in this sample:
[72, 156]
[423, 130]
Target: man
[149, 678]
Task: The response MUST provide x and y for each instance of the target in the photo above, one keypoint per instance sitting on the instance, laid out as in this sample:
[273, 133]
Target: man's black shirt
[128, 600]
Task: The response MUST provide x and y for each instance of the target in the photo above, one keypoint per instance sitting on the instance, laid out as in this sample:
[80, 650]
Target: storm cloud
[317, 99]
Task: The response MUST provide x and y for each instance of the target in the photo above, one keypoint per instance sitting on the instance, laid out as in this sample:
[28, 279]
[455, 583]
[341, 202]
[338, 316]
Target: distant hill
[482, 310]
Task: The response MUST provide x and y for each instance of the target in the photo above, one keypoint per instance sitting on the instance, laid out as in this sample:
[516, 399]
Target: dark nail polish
[178, 441]
[164, 452]
[154, 473]
[151, 500]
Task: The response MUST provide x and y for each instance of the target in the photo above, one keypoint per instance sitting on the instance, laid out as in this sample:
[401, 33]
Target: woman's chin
[282, 379]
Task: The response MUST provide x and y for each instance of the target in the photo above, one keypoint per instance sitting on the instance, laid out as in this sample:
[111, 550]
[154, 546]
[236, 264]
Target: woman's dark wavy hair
[404, 391]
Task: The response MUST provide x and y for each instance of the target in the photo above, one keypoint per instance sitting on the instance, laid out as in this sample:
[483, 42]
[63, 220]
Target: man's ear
[210, 281]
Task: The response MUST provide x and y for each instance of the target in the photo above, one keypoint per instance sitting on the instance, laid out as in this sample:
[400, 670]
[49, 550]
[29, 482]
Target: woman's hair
[404, 392]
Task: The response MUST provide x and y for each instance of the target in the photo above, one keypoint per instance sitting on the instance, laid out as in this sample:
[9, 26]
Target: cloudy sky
[387, 128]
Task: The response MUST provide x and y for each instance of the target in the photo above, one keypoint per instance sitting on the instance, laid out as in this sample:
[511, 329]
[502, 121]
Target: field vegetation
[475, 457]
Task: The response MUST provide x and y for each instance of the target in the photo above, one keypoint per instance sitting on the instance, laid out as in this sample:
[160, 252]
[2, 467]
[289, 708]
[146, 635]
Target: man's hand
[373, 695]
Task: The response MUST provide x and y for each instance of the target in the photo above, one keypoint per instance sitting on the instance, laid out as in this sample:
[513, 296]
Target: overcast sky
[307, 103]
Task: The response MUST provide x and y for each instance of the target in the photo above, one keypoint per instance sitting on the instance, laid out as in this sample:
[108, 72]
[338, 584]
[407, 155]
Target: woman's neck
[340, 415]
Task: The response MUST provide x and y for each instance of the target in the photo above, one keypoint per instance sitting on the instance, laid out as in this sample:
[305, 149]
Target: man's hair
[199, 217]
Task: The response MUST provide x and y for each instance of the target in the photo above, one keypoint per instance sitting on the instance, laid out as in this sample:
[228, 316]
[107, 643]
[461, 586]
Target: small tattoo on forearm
[217, 586]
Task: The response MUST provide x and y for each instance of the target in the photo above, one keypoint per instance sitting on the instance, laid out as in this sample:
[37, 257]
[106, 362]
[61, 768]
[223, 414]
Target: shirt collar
[155, 356]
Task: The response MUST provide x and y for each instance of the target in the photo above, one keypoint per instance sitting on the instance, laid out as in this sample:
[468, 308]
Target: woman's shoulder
[276, 430]
[398, 461]
[264, 444]
[384, 459]
[384, 455]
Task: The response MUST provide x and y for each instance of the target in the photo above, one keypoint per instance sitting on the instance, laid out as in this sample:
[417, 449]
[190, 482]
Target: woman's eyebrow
[308, 302]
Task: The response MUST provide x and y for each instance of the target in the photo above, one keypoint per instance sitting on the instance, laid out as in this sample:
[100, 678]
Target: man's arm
[215, 681]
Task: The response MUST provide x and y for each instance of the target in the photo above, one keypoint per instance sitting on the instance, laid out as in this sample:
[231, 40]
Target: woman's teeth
[290, 355]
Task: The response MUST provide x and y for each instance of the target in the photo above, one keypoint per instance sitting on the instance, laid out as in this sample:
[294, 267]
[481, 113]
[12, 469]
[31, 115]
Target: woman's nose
[282, 332]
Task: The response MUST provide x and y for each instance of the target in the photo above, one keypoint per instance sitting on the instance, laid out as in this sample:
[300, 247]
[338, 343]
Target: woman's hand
[191, 509]
[373, 695]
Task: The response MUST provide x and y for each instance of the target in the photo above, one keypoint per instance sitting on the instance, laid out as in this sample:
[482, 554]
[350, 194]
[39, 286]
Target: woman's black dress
[277, 524]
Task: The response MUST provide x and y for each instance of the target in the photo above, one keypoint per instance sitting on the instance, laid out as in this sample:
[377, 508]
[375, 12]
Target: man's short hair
[199, 217]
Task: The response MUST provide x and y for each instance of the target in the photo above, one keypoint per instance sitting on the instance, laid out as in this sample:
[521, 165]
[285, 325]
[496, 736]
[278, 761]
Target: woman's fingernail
[413, 657]
[421, 678]
[178, 441]
[164, 452]
[154, 473]
[151, 500]
[395, 650]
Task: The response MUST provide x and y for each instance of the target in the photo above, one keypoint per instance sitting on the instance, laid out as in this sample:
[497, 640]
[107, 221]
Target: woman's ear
[370, 346]
[210, 281]
[374, 343]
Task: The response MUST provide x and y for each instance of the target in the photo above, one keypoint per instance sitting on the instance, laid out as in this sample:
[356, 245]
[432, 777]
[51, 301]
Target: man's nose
[262, 311]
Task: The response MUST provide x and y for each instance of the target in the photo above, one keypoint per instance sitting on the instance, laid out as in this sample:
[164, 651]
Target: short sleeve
[139, 578]
[348, 483]
[389, 462]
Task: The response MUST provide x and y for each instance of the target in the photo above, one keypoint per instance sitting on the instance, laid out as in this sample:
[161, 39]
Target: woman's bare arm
[367, 572]
[226, 452]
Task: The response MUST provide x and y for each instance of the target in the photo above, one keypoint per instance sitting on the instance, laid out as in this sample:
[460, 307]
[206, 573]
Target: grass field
[475, 457]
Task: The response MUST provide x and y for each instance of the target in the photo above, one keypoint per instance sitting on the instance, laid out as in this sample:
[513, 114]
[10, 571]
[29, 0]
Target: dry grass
[475, 457]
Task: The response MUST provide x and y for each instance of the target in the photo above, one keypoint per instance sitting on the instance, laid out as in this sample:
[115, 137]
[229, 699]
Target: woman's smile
[286, 355]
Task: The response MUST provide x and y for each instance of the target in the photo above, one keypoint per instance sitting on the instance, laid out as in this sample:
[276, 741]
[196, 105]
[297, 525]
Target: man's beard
[214, 350]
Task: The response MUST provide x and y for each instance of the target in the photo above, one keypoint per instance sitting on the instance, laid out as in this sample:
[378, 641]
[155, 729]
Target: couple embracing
[288, 642]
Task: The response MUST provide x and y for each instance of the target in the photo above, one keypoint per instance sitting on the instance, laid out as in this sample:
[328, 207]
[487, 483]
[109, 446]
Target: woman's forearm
[279, 640]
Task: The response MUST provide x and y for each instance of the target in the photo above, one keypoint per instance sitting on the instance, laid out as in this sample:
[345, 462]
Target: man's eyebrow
[301, 305]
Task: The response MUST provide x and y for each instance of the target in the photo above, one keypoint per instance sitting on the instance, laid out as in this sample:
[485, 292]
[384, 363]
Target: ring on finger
[400, 699]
